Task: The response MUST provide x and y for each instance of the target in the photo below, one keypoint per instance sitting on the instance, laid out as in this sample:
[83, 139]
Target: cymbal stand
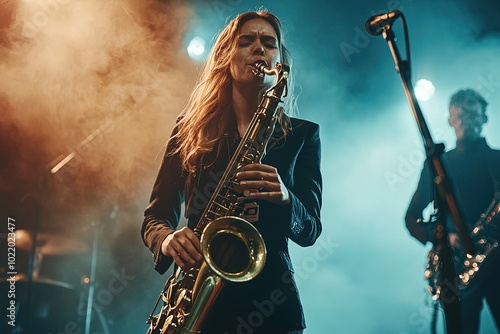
[34, 260]
[91, 290]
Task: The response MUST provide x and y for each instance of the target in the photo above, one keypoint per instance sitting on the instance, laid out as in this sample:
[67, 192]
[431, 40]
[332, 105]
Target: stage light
[196, 48]
[424, 90]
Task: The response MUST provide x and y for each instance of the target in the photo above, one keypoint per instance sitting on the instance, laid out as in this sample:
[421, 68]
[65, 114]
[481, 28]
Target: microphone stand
[446, 201]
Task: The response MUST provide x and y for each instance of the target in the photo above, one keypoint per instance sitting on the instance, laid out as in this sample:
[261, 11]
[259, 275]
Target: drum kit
[38, 304]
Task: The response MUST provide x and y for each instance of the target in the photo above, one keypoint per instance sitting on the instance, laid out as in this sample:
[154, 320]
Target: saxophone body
[470, 269]
[486, 236]
[232, 248]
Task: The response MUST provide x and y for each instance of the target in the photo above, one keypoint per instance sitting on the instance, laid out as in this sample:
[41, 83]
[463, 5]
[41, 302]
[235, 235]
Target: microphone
[376, 24]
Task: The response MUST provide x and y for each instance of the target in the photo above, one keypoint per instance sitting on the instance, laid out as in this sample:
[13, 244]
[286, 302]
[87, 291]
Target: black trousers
[488, 291]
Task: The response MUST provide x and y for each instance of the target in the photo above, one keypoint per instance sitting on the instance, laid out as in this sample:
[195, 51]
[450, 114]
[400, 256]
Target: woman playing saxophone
[282, 193]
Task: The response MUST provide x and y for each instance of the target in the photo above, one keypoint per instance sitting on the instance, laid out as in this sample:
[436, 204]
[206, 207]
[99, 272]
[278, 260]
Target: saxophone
[232, 248]
[470, 269]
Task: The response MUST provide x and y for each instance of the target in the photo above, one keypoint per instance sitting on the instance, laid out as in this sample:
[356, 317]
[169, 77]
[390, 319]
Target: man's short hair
[467, 98]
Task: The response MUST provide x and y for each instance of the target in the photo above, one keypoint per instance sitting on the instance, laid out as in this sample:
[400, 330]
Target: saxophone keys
[183, 299]
[171, 325]
[427, 274]
[249, 158]
[232, 198]
[464, 278]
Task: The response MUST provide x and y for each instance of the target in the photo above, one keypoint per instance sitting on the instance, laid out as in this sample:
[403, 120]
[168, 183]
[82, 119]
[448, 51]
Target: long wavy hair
[207, 112]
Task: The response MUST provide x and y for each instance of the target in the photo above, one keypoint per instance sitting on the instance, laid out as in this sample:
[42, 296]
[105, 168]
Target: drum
[55, 308]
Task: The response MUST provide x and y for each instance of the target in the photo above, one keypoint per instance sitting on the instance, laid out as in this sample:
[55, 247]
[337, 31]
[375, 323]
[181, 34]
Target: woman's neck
[245, 102]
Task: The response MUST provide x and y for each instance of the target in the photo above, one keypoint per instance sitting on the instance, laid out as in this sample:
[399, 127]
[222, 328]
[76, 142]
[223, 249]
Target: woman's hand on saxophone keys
[183, 246]
[262, 181]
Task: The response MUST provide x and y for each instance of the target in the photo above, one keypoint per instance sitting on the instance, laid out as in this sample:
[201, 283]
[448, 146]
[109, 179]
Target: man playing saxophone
[474, 170]
[282, 193]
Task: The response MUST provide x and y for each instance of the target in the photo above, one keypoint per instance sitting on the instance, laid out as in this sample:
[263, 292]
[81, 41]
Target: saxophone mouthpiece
[260, 68]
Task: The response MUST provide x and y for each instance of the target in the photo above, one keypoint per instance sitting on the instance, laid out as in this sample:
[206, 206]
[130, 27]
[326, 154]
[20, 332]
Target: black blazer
[271, 299]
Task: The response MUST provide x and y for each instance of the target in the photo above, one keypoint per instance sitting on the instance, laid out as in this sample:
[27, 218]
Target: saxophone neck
[262, 68]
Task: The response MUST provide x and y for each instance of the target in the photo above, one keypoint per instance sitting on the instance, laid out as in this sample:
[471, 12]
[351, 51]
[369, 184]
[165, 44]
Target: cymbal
[49, 243]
